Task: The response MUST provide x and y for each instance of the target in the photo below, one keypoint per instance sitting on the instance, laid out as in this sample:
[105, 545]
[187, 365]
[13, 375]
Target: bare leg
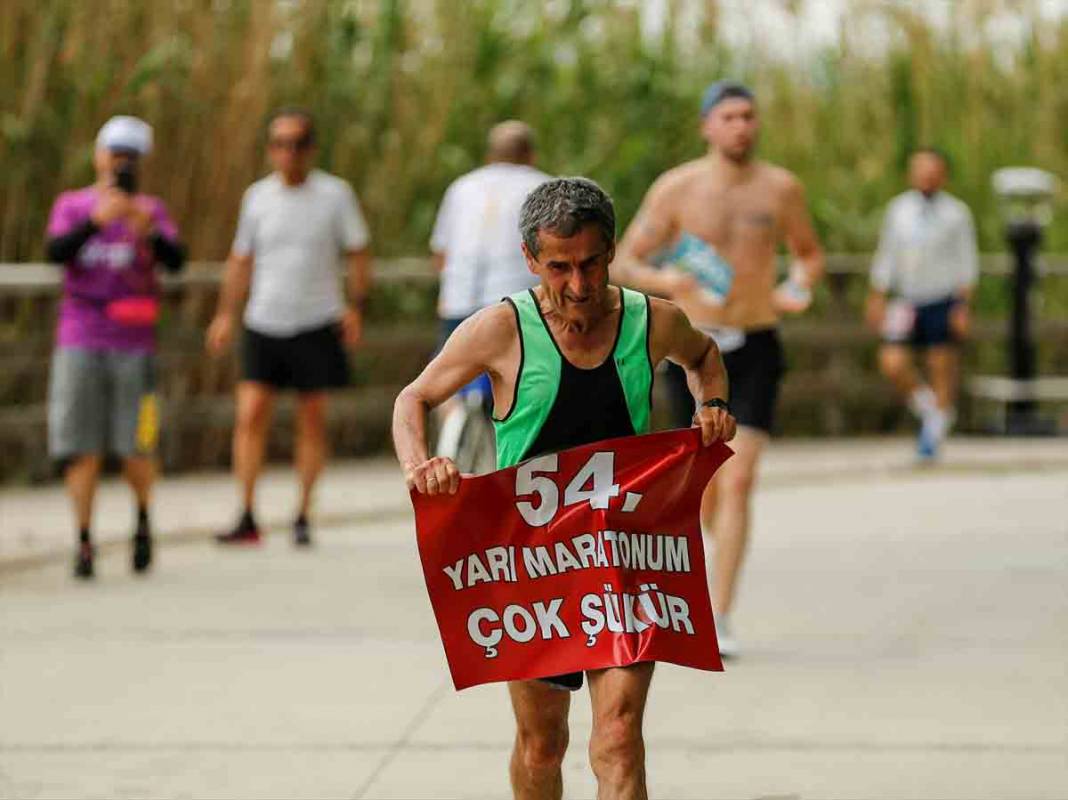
[895, 363]
[617, 749]
[942, 365]
[81, 477]
[311, 444]
[140, 473]
[725, 514]
[540, 740]
[255, 405]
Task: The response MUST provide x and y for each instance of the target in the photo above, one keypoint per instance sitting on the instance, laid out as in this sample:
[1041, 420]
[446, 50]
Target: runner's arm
[358, 275]
[801, 239]
[63, 248]
[471, 350]
[674, 338]
[651, 229]
[237, 276]
[883, 266]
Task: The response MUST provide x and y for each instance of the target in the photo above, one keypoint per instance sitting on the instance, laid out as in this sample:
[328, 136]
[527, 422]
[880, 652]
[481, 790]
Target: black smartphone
[126, 178]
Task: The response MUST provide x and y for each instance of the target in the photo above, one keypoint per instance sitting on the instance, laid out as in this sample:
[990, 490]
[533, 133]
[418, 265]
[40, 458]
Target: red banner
[578, 560]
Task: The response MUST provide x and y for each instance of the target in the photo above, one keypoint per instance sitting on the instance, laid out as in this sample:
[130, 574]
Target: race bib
[702, 260]
[898, 321]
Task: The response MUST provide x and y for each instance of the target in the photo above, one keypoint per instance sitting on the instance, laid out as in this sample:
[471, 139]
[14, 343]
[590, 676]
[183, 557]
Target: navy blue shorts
[930, 325]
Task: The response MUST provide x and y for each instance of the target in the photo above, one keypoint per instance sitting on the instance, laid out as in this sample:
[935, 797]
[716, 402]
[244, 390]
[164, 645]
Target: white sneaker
[728, 645]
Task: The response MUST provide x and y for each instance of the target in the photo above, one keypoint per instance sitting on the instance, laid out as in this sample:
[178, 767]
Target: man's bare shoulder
[780, 179]
[665, 316]
[495, 322]
[677, 181]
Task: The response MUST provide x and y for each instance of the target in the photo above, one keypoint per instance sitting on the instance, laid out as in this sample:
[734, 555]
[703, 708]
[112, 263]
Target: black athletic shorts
[309, 361]
[754, 372]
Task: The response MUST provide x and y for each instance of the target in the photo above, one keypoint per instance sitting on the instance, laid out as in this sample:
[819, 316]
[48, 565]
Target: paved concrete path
[906, 634]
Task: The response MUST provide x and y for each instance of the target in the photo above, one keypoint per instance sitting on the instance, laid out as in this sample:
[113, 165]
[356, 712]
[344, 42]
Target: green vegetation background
[405, 90]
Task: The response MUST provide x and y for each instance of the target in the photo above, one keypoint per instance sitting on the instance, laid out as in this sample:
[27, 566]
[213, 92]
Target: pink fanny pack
[133, 311]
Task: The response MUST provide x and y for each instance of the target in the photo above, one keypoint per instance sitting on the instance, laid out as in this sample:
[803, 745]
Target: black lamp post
[1025, 194]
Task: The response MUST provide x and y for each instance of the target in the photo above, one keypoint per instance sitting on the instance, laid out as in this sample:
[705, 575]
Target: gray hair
[564, 206]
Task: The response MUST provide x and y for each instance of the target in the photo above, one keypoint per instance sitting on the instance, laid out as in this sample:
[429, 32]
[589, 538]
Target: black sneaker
[302, 532]
[142, 551]
[83, 561]
[246, 532]
[142, 544]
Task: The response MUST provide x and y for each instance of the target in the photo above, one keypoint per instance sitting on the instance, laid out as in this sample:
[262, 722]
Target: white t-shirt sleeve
[968, 259]
[439, 238]
[353, 234]
[882, 267]
[244, 239]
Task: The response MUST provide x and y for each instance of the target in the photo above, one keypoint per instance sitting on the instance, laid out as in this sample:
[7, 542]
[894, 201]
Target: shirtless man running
[716, 222]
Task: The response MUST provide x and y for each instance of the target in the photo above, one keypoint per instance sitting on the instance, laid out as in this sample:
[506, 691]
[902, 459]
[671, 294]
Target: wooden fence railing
[831, 387]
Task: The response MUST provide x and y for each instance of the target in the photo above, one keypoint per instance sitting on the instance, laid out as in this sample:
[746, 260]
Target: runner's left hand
[791, 297]
[351, 327]
[716, 424]
[960, 320]
[438, 475]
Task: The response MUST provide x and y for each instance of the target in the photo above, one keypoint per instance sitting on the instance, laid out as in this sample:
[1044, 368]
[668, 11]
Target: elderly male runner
[721, 218]
[570, 363]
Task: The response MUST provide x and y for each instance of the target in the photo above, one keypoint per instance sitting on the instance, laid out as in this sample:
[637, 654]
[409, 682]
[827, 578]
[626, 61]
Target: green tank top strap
[536, 385]
[632, 359]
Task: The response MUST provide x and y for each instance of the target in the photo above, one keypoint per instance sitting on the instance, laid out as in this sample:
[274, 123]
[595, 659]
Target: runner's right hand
[438, 475]
[875, 311]
[220, 334]
[112, 204]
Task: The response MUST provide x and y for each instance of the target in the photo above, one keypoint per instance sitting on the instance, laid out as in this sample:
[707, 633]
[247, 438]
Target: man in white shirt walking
[476, 245]
[295, 227]
[922, 281]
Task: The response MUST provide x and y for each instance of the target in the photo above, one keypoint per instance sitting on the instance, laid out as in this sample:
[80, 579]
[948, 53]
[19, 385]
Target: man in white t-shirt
[476, 244]
[922, 281]
[296, 226]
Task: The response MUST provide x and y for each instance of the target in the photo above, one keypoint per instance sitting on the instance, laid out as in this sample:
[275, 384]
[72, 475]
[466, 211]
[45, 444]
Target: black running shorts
[309, 361]
[754, 371]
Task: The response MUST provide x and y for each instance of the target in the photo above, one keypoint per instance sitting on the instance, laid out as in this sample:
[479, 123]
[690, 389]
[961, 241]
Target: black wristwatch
[715, 402]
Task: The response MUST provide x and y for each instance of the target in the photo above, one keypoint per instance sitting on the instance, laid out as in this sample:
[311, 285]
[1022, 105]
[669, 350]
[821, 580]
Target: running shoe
[926, 445]
[302, 532]
[932, 432]
[142, 551]
[246, 532]
[728, 645]
[83, 561]
[142, 546]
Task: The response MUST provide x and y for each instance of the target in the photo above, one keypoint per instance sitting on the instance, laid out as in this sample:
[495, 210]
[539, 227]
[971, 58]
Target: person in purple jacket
[109, 238]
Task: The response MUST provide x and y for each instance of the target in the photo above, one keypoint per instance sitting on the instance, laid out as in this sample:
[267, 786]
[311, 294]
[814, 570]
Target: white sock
[922, 401]
[937, 422]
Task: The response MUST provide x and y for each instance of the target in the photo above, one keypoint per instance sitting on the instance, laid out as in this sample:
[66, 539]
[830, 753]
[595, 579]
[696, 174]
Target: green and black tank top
[558, 405]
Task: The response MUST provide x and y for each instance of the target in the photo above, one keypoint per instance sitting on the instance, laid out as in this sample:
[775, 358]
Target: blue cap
[723, 90]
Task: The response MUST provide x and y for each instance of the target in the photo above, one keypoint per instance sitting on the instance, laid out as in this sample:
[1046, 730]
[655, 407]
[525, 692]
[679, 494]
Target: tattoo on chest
[759, 219]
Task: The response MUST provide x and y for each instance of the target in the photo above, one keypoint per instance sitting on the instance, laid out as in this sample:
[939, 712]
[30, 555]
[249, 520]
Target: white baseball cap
[125, 133]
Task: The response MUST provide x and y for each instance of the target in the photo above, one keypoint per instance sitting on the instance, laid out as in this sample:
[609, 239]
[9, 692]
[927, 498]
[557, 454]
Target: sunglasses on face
[295, 145]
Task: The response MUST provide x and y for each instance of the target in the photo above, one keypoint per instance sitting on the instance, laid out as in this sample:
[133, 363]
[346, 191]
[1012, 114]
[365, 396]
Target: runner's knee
[893, 362]
[616, 744]
[542, 750]
[254, 413]
[738, 483]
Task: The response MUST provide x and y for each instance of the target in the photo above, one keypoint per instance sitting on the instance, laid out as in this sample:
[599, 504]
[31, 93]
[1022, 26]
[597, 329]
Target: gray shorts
[102, 402]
